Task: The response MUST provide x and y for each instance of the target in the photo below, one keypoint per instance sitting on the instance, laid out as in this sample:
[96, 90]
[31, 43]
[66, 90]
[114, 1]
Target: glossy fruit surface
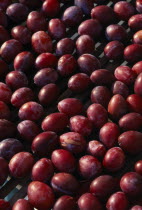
[97, 115]
[22, 204]
[9, 147]
[21, 164]
[73, 142]
[109, 134]
[65, 202]
[89, 201]
[42, 170]
[44, 143]
[81, 124]
[114, 159]
[88, 63]
[70, 106]
[117, 201]
[63, 161]
[40, 195]
[89, 167]
[103, 186]
[79, 82]
[130, 141]
[64, 183]
[131, 184]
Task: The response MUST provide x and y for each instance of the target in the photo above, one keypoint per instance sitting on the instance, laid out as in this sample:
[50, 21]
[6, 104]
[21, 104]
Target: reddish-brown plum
[109, 134]
[138, 85]
[67, 65]
[63, 161]
[116, 32]
[101, 95]
[117, 107]
[3, 18]
[125, 74]
[48, 94]
[135, 22]
[79, 82]
[73, 142]
[21, 164]
[102, 77]
[4, 111]
[104, 14]
[41, 42]
[138, 167]
[96, 149]
[103, 186]
[65, 202]
[135, 103]
[136, 207]
[137, 37]
[28, 130]
[89, 201]
[130, 142]
[4, 35]
[97, 114]
[85, 44]
[91, 27]
[21, 96]
[17, 12]
[44, 143]
[10, 49]
[117, 201]
[24, 62]
[133, 53]
[4, 171]
[70, 106]
[64, 183]
[124, 10]
[30, 111]
[3, 68]
[81, 124]
[7, 129]
[40, 195]
[65, 46]
[42, 170]
[85, 5]
[131, 121]
[4, 4]
[56, 29]
[131, 184]
[137, 67]
[36, 22]
[50, 8]
[45, 76]
[22, 34]
[114, 50]
[16, 80]
[89, 167]
[9, 147]
[120, 88]
[72, 16]
[114, 159]
[139, 9]
[55, 122]
[46, 60]
[88, 63]
[5, 93]
[4, 205]
[22, 204]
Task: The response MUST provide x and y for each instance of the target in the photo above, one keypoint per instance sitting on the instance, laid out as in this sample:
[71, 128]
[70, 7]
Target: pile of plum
[77, 155]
